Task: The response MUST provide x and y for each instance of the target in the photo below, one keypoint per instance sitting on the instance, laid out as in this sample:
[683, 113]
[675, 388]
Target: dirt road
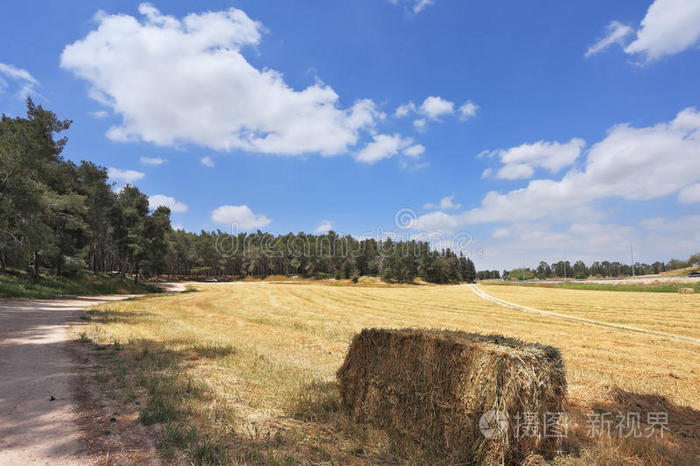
[38, 377]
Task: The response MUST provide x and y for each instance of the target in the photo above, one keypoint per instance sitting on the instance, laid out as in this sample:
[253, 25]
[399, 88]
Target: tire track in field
[482, 294]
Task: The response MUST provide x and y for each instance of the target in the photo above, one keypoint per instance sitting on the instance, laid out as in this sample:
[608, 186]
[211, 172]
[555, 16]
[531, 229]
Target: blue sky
[516, 131]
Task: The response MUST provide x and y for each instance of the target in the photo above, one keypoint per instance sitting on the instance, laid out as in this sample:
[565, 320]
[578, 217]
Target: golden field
[245, 372]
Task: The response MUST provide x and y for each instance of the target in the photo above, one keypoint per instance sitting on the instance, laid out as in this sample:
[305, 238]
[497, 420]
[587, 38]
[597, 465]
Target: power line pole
[632, 256]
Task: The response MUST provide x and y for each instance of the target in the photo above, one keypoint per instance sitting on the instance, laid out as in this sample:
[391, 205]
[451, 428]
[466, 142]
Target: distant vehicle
[694, 273]
[211, 280]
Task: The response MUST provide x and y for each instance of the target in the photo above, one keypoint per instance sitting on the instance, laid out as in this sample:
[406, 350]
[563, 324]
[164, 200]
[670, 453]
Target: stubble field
[245, 372]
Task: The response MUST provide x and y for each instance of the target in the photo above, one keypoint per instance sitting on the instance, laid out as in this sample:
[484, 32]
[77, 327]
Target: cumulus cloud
[420, 124]
[124, 176]
[414, 151]
[152, 161]
[631, 163]
[26, 82]
[521, 161]
[436, 222]
[383, 146]
[405, 110]
[615, 33]
[669, 27]
[445, 203]
[158, 200]
[207, 161]
[324, 227]
[219, 100]
[690, 194]
[239, 216]
[683, 224]
[525, 244]
[468, 110]
[435, 107]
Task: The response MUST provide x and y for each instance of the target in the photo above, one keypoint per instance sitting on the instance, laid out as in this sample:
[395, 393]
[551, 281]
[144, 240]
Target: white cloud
[23, 78]
[690, 194]
[486, 173]
[435, 107]
[444, 204]
[152, 161]
[521, 161]
[687, 223]
[631, 163]
[207, 161]
[416, 5]
[468, 110]
[616, 32]
[669, 27]
[124, 176]
[515, 171]
[420, 124]
[99, 114]
[241, 216]
[219, 100]
[158, 200]
[525, 244]
[383, 146]
[436, 222]
[324, 227]
[414, 151]
[405, 110]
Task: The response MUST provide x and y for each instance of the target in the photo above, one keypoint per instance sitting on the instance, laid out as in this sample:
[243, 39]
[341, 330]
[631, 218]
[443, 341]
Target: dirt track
[482, 294]
[38, 377]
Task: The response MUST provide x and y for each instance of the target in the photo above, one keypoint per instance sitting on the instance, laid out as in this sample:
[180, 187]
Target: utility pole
[564, 262]
[632, 256]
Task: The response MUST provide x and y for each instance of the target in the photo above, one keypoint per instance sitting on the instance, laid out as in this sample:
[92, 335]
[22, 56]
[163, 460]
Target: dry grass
[434, 385]
[663, 312]
[246, 372]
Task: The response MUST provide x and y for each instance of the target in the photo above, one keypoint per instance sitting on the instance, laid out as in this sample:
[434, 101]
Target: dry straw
[686, 291]
[434, 386]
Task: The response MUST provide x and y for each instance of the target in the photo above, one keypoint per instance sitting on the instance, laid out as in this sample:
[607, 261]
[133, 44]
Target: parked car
[211, 280]
[694, 273]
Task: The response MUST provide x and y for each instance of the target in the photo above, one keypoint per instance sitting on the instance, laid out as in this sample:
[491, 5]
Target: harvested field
[663, 312]
[246, 372]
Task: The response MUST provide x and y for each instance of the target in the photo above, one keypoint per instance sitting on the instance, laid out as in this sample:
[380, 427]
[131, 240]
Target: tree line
[604, 269]
[326, 255]
[63, 217]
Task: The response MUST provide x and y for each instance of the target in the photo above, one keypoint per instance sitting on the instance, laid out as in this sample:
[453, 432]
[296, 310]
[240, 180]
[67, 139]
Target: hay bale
[434, 386]
[686, 291]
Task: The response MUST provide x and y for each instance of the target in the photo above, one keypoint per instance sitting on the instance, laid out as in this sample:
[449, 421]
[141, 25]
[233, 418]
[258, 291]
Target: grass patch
[656, 287]
[23, 285]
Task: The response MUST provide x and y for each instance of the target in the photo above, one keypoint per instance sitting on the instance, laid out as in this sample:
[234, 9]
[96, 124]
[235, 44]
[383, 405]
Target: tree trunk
[36, 264]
